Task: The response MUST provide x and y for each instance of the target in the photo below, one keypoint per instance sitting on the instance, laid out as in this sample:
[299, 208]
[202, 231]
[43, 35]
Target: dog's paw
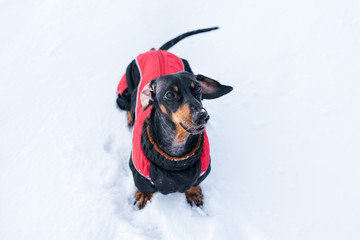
[194, 196]
[141, 199]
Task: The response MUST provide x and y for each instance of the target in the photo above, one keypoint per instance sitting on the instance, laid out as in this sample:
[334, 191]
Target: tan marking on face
[163, 109]
[181, 134]
[176, 88]
[183, 116]
[192, 85]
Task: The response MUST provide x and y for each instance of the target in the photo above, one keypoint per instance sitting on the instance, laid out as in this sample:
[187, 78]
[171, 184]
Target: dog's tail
[174, 41]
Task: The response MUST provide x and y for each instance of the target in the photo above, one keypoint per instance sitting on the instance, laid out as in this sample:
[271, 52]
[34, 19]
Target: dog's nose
[201, 118]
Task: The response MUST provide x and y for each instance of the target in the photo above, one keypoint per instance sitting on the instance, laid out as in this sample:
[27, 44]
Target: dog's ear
[211, 88]
[147, 95]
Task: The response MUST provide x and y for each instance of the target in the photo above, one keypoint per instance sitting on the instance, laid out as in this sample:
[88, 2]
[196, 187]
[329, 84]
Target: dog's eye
[170, 95]
[198, 89]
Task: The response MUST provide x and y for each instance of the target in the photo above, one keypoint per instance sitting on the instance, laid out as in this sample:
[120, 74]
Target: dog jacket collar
[151, 154]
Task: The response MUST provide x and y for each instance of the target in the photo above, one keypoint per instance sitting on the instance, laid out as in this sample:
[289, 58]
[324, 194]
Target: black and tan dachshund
[170, 151]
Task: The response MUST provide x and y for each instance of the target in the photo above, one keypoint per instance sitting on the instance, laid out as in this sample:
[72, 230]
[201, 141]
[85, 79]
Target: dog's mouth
[195, 129]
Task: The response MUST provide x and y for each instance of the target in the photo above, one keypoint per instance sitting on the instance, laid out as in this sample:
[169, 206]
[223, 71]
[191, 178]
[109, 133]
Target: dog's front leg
[142, 198]
[194, 195]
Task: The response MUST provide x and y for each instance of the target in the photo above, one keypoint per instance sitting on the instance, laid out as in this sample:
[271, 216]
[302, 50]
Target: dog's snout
[201, 118]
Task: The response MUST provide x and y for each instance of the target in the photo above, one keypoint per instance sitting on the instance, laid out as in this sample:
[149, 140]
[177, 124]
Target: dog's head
[178, 96]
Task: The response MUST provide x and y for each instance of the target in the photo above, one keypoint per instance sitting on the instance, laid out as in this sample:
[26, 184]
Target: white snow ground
[284, 144]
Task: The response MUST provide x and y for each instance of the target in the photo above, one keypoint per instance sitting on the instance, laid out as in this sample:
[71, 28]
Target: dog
[170, 147]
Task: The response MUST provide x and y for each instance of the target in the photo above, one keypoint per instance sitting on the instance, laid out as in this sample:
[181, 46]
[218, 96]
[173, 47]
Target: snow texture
[284, 144]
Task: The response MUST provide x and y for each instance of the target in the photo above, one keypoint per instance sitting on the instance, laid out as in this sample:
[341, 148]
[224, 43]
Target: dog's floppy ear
[211, 88]
[147, 95]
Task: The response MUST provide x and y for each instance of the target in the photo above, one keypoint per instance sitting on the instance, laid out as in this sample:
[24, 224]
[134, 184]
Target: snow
[284, 144]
